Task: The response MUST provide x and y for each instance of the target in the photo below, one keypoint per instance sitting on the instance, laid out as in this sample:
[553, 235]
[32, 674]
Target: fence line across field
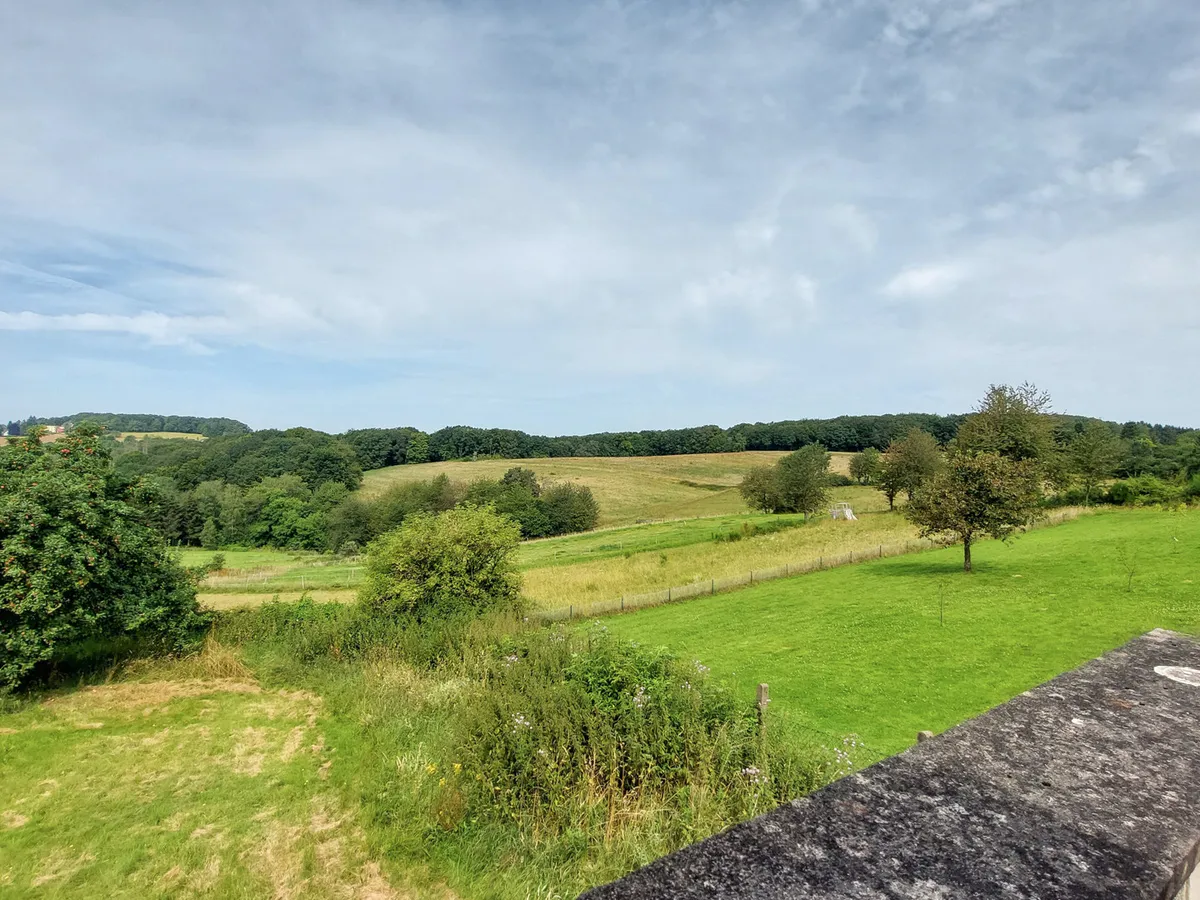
[787, 570]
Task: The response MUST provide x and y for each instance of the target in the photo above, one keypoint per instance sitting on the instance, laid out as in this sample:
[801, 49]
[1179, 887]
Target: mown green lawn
[888, 648]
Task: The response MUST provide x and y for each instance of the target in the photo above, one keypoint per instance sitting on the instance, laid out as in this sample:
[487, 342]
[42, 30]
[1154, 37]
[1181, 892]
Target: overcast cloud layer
[570, 217]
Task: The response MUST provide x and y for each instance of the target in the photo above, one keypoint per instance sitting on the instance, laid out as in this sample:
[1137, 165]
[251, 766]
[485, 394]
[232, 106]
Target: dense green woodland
[209, 427]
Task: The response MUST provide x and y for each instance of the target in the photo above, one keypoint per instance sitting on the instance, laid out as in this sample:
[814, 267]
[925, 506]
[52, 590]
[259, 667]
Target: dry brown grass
[628, 488]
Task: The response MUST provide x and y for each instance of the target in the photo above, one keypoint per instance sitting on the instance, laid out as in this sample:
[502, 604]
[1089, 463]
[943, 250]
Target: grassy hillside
[583, 568]
[654, 569]
[629, 489]
[888, 648]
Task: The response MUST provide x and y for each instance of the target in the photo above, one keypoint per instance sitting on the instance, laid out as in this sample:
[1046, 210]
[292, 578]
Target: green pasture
[887, 648]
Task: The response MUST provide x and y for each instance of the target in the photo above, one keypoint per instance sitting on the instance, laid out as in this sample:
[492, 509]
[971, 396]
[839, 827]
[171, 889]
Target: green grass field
[888, 648]
[629, 489]
[203, 777]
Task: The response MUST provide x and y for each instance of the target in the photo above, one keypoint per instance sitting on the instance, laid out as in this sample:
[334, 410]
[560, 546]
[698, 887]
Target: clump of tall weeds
[587, 733]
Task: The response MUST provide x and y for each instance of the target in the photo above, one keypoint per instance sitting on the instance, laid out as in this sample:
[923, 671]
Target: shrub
[569, 508]
[567, 722]
[1144, 490]
[837, 479]
[458, 563]
[1191, 490]
[79, 564]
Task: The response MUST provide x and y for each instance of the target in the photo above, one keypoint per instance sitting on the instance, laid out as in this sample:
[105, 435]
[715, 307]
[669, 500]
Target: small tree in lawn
[976, 494]
[866, 466]
[456, 564]
[1094, 454]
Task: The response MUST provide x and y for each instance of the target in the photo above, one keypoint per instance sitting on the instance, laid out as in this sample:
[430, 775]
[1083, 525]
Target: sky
[587, 216]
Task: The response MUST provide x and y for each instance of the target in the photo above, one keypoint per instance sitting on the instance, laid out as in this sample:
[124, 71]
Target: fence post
[712, 587]
[571, 611]
[764, 697]
[622, 603]
[881, 551]
[668, 595]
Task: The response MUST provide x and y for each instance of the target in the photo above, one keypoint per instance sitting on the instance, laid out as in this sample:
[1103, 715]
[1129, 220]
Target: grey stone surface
[1085, 787]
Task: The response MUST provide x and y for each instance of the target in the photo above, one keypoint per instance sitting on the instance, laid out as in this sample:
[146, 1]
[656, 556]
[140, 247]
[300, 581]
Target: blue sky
[570, 217]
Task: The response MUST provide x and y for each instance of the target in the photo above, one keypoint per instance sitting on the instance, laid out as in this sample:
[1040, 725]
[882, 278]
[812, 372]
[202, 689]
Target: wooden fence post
[764, 697]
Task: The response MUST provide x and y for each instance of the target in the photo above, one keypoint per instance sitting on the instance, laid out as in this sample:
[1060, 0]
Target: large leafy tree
[77, 561]
[797, 483]
[976, 494]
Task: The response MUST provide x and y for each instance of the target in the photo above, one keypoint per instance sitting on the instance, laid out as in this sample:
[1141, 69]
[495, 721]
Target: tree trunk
[966, 554]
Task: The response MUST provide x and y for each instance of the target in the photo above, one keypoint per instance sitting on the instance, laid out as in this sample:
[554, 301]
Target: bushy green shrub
[1145, 490]
[1191, 490]
[568, 720]
[458, 563]
[77, 563]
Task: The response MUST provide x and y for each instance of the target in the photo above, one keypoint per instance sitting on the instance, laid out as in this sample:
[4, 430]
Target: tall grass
[516, 757]
[591, 582]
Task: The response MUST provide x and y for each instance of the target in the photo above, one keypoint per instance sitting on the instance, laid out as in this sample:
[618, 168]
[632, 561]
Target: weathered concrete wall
[1085, 787]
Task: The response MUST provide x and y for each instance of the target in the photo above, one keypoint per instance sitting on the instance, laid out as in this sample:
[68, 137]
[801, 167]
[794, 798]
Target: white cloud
[806, 291]
[919, 282]
[154, 327]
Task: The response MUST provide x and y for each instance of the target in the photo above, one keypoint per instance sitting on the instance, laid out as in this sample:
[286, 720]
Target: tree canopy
[78, 560]
[976, 494]
[907, 464]
[797, 483]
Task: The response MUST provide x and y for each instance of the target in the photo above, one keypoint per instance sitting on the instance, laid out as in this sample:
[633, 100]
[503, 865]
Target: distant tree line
[287, 512]
[209, 427]
[312, 456]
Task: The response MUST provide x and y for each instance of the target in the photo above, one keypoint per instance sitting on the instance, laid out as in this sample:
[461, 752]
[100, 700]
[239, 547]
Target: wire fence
[714, 586]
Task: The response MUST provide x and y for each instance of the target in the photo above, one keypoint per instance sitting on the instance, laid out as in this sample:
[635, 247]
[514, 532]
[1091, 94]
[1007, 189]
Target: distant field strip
[629, 489]
[718, 584]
